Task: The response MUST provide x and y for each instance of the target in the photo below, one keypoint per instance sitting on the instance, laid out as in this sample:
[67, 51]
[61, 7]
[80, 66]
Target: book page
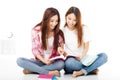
[58, 57]
[62, 57]
[72, 55]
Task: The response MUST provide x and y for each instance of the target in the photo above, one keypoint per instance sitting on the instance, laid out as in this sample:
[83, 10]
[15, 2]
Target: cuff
[84, 71]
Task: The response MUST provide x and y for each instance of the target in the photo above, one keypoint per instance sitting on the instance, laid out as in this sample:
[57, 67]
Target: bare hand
[61, 51]
[78, 58]
[48, 62]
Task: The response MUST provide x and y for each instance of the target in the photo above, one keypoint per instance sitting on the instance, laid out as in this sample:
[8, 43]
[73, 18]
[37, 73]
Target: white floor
[10, 71]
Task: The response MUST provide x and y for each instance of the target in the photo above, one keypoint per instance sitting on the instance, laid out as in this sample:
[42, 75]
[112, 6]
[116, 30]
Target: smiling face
[71, 21]
[53, 22]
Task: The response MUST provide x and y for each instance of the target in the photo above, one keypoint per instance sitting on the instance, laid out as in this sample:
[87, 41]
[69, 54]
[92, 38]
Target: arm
[86, 40]
[43, 60]
[60, 49]
[36, 47]
[86, 47]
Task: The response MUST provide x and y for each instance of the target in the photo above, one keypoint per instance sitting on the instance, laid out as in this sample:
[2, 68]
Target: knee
[60, 64]
[69, 62]
[104, 57]
[20, 61]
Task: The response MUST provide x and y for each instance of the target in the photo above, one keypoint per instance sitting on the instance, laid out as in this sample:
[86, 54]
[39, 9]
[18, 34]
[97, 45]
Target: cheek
[56, 23]
[74, 23]
[68, 21]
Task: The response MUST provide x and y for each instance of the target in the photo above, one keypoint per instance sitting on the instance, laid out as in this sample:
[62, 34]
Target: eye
[51, 21]
[69, 18]
[56, 21]
[74, 20]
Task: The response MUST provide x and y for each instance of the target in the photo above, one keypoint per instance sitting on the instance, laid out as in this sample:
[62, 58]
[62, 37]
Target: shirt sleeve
[86, 34]
[36, 46]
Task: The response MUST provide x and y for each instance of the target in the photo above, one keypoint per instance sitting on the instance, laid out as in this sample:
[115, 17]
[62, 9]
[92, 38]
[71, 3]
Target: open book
[46, 77]
[61, 57]
[88, 59]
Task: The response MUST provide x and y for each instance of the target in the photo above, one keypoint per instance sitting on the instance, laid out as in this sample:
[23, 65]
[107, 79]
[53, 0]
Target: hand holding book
[87, 60]
[62, 57]
[61, 50]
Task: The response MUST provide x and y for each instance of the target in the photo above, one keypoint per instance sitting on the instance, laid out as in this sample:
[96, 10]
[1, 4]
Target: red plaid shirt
[37, 46]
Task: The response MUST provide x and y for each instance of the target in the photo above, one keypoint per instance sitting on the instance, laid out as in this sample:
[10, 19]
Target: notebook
[89, 59]
[46, 77]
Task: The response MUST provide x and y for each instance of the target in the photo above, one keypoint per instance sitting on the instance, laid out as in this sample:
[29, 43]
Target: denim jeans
[39, 67]
[72, 64]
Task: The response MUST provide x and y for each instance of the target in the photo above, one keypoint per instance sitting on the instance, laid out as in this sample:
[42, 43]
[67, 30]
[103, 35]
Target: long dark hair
[78, 25]
[49, 12]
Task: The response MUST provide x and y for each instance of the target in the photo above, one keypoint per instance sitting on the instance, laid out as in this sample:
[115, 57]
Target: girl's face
[71, 21]
[53, 22]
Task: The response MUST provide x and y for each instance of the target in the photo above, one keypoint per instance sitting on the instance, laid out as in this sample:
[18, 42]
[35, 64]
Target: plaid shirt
[37, 46]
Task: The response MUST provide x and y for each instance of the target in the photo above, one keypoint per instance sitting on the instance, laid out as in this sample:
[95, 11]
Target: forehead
[71, 15]
[54, 17]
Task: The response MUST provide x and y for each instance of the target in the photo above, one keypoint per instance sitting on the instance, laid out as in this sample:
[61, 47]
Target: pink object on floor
[46, 77]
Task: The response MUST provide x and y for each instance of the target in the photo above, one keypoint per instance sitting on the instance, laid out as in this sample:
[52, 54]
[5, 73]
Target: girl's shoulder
[86, 30]
[36, 31]
[85, 27]
[36, 28]
[64, 29]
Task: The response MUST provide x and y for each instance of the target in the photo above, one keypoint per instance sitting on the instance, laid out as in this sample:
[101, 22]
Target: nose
[71, 22]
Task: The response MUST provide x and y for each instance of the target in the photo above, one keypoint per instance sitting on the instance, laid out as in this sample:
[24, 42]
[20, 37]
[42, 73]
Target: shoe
[27, 71]
[94, 72]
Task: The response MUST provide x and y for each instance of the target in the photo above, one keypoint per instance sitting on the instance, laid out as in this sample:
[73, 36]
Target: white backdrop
[101, 16]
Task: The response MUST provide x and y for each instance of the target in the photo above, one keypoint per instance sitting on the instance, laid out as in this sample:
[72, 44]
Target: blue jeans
[39, 67]
[72, 64]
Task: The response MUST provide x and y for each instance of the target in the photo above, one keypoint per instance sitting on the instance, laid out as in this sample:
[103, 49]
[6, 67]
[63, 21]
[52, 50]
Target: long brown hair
[78, 25]
[49, 12]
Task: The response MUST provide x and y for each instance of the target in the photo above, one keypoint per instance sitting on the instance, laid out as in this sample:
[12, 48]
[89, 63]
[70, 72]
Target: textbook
[46, 77]
[61, 57]
[88, 59]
